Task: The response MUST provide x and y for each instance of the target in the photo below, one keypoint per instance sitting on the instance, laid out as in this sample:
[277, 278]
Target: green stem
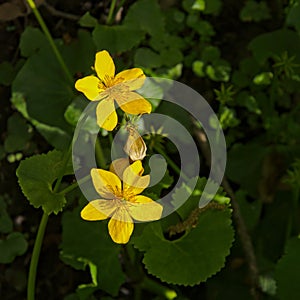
[40, 235]
[157, 288]
[171, 162]
[35, 257]
[100, 155]
[111, 11]
[50, 39]
[69, 189]
[66, 159]
[74, 185]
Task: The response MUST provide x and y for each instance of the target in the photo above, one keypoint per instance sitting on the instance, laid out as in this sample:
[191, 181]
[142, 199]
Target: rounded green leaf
[36, 176]
[14, 245]
[193, 258]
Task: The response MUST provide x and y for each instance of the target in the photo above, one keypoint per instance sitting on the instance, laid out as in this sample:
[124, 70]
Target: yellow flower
[108, 88]
[124, 204]
[135, 146]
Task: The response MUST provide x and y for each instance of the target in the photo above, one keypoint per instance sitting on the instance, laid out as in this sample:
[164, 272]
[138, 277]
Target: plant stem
[35, 257]
[171, 162]
[111, 11]
[40, 235]
[50, 39]
[100, 155]
[157, 288]
[74, 185]
[70, 188]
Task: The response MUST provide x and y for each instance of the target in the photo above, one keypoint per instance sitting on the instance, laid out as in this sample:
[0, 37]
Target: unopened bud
[135, 146]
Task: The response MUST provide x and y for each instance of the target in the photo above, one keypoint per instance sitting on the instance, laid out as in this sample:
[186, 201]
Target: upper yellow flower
[109, 87]
[124, 204]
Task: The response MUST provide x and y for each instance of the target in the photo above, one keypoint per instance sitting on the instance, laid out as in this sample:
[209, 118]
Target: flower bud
[135, 146]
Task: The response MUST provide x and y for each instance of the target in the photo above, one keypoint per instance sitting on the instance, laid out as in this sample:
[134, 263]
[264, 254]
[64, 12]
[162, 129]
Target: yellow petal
[89, 85]
[106, 115]
[133, 182]
[144, 209]
[118, 166]
[104, 65]
[106, 183]
[98, 210]
[134, 78]
[133, 103]
[120, 226]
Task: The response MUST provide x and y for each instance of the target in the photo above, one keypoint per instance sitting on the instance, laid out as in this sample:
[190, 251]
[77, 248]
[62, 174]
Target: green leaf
[219, 70]
[36, 176]
[150, 13]
[288, 272]
[171, 56]
[199, 5]
[248, 101]
[228, 118]
[145, 57]
[19, 133]
[264, 78]
[212, 7]
[14, 245]
[198, 68]
[293, 16]
[45, 88]
[254, 11]
[87, 20]
[79, 55]
[203, 28]
[56, 137]
[276, 42]
[6, 224]
[193, 258]
[42, 81]
[75, 109]
[118, 38]
[210, 54]
[32, 40]
[90, 242]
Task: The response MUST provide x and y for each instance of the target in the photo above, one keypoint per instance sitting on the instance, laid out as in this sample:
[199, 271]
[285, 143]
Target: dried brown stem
[238, 219]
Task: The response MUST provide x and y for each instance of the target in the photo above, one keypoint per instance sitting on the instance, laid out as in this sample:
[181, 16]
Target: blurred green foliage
[244, 58]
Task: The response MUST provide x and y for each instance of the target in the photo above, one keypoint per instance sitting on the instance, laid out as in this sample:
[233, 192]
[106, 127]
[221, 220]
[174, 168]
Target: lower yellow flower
[124, 204]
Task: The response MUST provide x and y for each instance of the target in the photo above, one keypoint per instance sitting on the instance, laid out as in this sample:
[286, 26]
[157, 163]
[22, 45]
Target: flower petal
[104, 65]
[118, 166]
[144, 209]
[133, 182]
[120, 226]
[134, 78]
[106, 183]
[106, 115]
[133, 103]
[89, 85]
[98, 210]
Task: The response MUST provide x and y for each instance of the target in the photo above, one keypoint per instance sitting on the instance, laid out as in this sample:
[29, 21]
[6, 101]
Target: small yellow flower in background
[108, 87]
[135, 146]
[124, 204]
